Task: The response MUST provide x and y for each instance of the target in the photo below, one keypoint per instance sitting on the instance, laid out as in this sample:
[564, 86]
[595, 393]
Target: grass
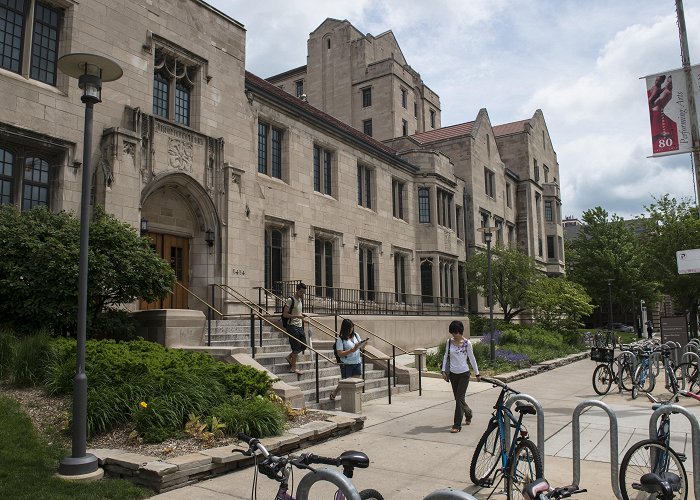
[29, 461]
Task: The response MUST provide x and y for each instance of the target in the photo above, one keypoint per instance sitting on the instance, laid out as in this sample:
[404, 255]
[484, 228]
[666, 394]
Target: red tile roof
[443, 133]
[510, 128]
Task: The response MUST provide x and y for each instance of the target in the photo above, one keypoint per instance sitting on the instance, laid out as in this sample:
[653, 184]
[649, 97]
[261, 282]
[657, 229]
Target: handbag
[447, 363]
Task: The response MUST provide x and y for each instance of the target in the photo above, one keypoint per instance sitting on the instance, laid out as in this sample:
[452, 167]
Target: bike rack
[449, 494]
[655, 359]
[695, 427]
[691, 356]
[540, 421]
[633, 362]
[576, 441]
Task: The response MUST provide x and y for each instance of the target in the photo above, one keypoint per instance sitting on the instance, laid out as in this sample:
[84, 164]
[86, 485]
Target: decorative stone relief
[129, 148]
[180, 155]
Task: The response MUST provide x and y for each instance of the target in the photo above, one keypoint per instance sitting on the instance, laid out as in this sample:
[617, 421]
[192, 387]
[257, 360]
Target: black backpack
[286, 320]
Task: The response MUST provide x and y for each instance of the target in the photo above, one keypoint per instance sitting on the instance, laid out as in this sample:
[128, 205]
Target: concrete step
[370, 394]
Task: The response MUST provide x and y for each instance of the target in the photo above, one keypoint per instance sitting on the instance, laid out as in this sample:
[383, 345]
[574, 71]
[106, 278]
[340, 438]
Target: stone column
[351, 395]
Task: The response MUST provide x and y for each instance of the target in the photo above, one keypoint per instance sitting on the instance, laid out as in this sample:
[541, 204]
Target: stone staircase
[275, 348]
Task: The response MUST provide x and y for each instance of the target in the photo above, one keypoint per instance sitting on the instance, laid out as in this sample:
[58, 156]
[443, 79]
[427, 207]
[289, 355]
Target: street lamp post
[610, 314]
[487, 238]
[90, 70]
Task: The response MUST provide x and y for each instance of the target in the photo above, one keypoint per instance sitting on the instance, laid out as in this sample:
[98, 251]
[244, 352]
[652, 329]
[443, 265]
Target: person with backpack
[456, 371]
[347, 352]
[293, 321]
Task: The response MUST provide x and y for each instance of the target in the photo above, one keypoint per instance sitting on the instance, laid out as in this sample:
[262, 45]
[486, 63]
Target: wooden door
[176, 250]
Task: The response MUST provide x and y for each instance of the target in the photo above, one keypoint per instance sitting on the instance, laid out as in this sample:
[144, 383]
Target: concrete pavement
[412, 452]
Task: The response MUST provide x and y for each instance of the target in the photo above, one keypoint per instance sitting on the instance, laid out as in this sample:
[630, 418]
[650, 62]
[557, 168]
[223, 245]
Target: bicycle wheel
[627, 377]
[638, 461]
[691, 373]
[525, 467]
[644, 379]
[602, 379]
[370, 494]
[486, 455]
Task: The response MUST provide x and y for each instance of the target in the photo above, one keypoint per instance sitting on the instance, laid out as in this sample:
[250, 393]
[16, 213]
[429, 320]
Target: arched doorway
[182, 227]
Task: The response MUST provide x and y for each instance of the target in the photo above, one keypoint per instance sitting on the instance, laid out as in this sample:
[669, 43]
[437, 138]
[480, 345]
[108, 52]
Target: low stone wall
[171, 327]
[176, 472]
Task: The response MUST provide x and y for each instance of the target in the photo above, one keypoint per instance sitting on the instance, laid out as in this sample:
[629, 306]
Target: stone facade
[242, 183]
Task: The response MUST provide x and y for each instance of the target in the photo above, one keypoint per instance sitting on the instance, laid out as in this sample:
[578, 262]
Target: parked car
[619, 327]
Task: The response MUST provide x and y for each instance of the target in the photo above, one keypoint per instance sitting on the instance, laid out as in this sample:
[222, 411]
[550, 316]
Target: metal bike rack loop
[331, 476]
[576, 442]
[449, 494]
[540, 421]
[688, 356]
[695, 428]
[633, 363]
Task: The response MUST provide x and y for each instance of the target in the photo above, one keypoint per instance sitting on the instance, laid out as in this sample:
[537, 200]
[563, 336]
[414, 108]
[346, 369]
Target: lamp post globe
[91, 70]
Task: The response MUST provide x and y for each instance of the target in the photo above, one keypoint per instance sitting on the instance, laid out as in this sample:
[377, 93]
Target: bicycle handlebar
[500, 384]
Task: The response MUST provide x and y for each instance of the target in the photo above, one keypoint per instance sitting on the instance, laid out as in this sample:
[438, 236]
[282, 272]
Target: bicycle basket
[602, 354]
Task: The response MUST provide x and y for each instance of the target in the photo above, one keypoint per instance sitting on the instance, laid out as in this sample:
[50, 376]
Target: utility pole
[685, 57]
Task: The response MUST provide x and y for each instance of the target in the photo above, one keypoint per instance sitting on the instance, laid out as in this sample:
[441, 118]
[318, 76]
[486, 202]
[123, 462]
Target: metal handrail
[210, 308]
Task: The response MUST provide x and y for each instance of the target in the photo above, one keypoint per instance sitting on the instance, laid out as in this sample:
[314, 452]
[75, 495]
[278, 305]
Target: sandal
[331, 396]
[455, 430]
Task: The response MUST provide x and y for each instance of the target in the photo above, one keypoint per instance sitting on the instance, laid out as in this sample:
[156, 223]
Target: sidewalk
[412, 452]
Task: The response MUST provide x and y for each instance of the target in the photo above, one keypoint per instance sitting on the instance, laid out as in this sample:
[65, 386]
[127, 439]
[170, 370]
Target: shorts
[296, 335]
[347, 371]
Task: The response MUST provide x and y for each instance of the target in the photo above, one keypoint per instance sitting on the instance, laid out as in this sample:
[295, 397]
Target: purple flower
[486, 339]
[513, 357]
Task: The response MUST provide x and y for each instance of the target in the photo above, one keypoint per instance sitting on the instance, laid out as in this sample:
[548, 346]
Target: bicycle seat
[353, 458]
[653, 483]
[525, 409]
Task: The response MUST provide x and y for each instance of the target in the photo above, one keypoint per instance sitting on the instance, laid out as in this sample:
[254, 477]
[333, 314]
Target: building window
[367, 127]
[537, 171]
[485, 217]
[539, 246]
[551, 253]
[489, 183]
[404, 128]
[400, 277]
[299, 88]
[397, 195]
[499, 232]
[173, 85]
[446, 282]
[548, 211]
[29, 175]
[444, 199]
[269, 150]
[546, 173]
[43, 32]
[459, 222]
[423, 205]
[415, 109]
[274, 254]
[366, 97]
[364, 186]
[426, 281]
[367, 270]
[511, 235]
[323, 267]
[323, 161]
[404, 98]
[432, 118]
[509, 195]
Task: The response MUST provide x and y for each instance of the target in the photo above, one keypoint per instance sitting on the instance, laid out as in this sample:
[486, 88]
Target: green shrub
[60, 367]
[112, 324]
[256, 417]
[433, 361]
[8, 342]
[29, 359]
[478, 325]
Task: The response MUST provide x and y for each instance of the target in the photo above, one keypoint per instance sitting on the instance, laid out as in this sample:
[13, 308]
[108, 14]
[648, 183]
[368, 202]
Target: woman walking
[456, 371]
[348, 347]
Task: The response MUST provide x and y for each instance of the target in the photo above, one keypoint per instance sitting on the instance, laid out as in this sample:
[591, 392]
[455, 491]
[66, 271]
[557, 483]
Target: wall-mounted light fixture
[209, 237]
[144, 226]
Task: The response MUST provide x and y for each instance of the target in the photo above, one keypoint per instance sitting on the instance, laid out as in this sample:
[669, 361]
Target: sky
[579, 61]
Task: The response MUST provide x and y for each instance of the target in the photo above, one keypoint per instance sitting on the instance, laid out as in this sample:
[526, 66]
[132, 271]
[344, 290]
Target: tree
[671, 226]
[39, 268]
[605, 249]
[559, 304]
[512, 271]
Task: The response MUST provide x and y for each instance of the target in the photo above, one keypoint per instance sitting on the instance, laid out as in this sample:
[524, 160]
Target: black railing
[339, 301]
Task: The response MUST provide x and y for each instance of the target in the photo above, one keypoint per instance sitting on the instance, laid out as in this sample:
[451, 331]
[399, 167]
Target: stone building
[238, 181]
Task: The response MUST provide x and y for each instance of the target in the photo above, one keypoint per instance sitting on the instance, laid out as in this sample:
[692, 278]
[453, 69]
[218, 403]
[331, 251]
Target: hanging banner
[669, 116]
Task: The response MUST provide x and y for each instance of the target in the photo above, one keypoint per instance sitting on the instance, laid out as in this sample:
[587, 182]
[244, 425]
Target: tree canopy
[39, 268]
[512, 271]
[559, 304]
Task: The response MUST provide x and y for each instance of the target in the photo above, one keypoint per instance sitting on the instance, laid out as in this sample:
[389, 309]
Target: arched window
[426, 281]
[174, 78]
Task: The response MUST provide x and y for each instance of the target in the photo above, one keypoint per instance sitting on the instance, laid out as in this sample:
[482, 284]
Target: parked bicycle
[541, 490]
[651, 468]
[519, 461]
[608, 370]
[281, 469]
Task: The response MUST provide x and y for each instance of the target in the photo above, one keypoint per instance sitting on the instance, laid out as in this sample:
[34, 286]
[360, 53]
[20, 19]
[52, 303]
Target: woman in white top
[456, 371]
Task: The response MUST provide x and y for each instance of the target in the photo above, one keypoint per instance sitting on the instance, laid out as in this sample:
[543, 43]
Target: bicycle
[607, 370]
[541, 490]
[520, 461]
[280, 469]
[651, 466]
